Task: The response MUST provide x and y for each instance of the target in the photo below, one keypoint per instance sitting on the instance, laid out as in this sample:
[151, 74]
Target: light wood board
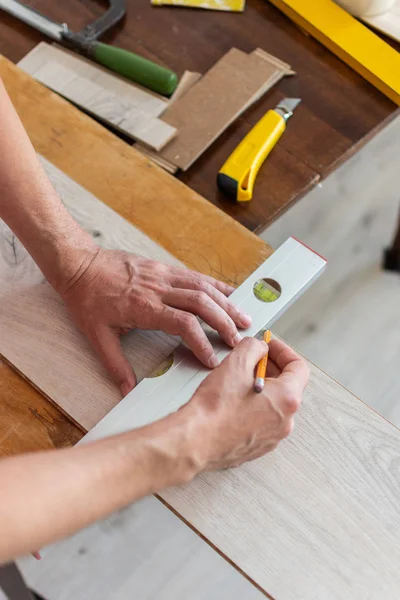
[33, 318]
[213, 103]
[320, 517]
[128, 107]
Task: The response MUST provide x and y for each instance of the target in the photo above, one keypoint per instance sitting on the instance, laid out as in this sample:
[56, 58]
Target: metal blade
[34, 19]
[290, 103]
[286, 107]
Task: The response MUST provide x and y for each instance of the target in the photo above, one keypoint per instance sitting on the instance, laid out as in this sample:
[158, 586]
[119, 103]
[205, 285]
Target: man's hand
[230, 423]
[114, 291]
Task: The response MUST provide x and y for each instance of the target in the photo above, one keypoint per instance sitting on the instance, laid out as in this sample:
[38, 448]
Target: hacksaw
[265, 295]
[130, 65]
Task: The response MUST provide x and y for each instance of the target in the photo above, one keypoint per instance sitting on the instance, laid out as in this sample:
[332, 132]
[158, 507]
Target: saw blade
[35, 19]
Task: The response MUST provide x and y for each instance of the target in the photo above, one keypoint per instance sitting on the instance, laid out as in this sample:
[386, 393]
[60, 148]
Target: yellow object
[237, 177]
[229, 5]
[351, 41]
[261, 372]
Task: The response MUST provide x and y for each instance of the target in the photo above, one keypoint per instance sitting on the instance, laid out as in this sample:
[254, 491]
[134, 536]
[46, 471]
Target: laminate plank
[33, 317]
[76, 65]
[318, 518]
[126, 106]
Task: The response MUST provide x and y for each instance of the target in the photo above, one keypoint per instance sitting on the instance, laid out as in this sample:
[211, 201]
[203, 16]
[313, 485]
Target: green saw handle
[136, 68]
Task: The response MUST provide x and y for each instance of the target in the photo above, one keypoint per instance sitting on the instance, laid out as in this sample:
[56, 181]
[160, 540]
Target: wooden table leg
[391, 258]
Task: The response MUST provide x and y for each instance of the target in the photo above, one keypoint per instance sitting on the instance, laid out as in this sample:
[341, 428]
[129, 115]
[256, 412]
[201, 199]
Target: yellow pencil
[262, 366]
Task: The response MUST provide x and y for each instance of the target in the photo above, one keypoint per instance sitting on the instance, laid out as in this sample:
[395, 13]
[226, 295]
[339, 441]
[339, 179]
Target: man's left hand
[114, 291]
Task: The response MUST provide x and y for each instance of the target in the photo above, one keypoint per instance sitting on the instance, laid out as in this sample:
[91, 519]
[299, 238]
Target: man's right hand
[223, 425]
[232, 423]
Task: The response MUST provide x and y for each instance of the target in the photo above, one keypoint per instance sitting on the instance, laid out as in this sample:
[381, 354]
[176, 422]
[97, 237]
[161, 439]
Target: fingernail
[213, 362]
[245, 319]
[237, 338]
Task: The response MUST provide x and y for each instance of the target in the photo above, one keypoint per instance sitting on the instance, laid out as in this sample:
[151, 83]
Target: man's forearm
[46, 496]
[31, 207]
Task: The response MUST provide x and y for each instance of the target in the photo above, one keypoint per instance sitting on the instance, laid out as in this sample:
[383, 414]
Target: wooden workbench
[340, 110]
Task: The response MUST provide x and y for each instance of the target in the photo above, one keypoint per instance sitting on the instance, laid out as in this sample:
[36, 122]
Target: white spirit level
[265, 295]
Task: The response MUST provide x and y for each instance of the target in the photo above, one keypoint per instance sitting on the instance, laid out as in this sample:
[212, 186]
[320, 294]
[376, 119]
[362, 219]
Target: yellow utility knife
[237, 177]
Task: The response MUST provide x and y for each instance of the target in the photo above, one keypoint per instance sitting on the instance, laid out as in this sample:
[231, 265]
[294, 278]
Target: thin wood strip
[157, 159]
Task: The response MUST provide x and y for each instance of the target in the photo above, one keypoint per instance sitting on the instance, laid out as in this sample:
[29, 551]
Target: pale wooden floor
[348, 323]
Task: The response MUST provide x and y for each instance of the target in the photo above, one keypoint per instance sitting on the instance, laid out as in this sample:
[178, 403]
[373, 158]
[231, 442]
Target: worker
[107, 293]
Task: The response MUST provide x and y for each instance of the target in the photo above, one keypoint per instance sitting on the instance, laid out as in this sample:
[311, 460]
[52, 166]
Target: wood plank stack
[173, 133]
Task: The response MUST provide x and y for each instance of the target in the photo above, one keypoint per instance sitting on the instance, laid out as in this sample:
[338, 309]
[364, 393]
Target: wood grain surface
[28, 422]
[339, 113]
[319, 518]
[33, 318]
[155, 202]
